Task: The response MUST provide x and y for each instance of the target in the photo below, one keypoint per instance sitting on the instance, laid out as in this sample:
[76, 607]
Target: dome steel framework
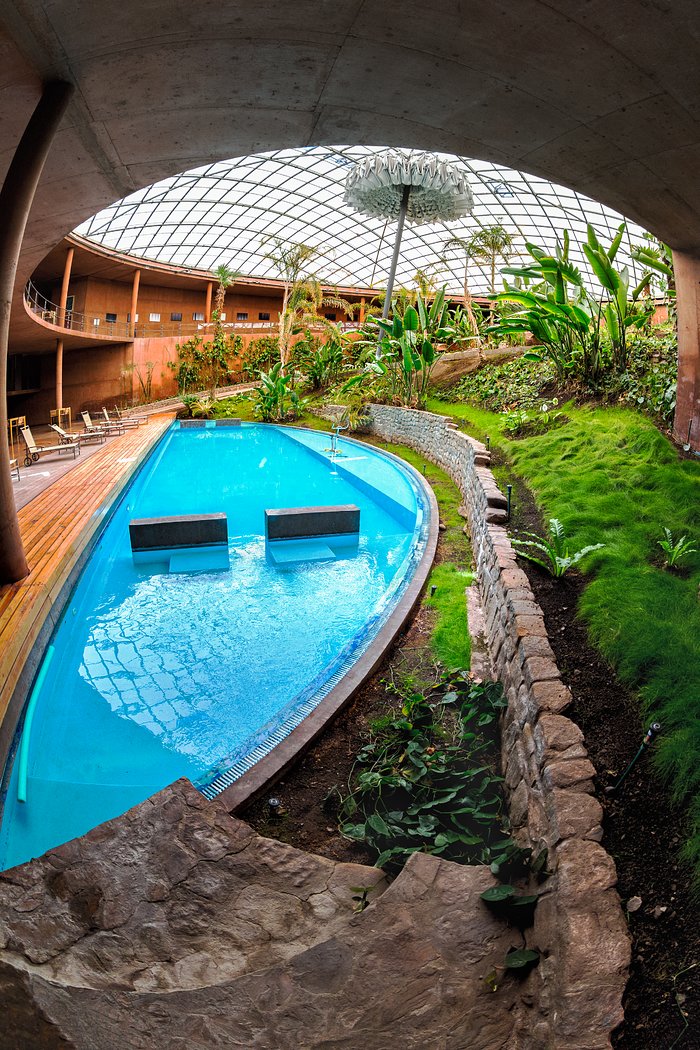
[226, 213]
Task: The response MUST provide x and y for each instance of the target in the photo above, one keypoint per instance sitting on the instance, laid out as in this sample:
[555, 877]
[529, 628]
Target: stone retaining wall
[579, 927]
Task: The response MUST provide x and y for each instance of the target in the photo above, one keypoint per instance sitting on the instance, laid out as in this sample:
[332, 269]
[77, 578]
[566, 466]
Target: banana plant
[657, 257]
[551, 303]
[622, 310]
[406, 350]
[408, 344]
[273, 399]
[564, 317]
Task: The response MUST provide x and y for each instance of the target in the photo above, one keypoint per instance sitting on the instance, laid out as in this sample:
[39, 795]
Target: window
[197, 317]
[176, 317]
[222, 316]
[96, 322]
[263, 317]
[154, 317]
[241, 316]
[110, 318]
[329, 317]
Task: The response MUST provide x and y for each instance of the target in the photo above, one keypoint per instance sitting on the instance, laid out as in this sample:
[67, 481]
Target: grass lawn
[612, 478]
[450, 640]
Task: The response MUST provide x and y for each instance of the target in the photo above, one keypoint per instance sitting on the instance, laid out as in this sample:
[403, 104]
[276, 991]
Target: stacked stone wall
[579, 928]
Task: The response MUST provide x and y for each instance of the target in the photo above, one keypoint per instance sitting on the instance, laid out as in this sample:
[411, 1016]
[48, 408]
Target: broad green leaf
[601, 268]
[376, 822]
[612, 250]
[498, 893]
[410, 319]
[593, 241]
[422, 314]
[517, 960]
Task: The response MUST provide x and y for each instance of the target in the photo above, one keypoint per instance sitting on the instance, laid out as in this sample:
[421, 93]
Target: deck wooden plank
[56, 527]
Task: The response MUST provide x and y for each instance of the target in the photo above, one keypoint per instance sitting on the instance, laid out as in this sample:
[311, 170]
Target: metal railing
[96, 326]
[71, 320]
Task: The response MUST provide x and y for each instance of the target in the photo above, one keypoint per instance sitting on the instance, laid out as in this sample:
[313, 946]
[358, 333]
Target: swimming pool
[159, 674]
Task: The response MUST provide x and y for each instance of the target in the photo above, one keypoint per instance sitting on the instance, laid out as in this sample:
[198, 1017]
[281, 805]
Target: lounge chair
[34, 451]
[14, 469]
[123, 419]
[105, 428]
[123, 423]
[82, 439]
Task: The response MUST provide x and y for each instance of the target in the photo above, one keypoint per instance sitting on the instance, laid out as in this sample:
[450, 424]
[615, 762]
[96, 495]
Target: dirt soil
[643, 832]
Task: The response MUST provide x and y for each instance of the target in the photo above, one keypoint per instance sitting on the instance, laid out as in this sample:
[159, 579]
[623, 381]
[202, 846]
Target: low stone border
[579, 927]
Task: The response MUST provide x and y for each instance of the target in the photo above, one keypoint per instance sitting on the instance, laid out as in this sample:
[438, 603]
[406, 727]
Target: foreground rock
[177, 926]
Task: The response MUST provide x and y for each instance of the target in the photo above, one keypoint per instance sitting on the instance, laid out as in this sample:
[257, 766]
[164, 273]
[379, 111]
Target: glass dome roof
[226, 213]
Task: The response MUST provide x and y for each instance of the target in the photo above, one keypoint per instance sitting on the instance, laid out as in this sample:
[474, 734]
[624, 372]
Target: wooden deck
[56, 528]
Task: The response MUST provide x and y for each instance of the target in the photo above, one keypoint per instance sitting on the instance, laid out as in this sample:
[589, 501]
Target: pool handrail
[23, 758]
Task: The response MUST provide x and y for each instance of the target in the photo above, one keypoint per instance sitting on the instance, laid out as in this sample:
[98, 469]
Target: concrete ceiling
[596, 95]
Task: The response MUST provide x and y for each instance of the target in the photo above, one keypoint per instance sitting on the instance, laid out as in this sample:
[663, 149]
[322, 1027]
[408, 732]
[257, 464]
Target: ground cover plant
[424, 781]
[518, 384]
[610, 477]
[649, 382]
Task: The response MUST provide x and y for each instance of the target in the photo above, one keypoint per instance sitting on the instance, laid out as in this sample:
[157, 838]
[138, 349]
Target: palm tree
[465, 246]
[303, 296]
[489, 244]
[226, 276]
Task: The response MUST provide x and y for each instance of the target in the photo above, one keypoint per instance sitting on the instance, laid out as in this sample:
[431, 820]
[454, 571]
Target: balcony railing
[96, 326]
[86, 324]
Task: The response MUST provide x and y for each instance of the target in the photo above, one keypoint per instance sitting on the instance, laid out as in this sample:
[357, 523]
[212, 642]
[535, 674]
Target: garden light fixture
[651, 733]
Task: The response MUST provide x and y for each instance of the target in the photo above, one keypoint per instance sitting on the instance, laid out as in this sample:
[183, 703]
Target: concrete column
[16, 199]
[686, 424]
[59, 375]
[61, 319]
[134, 299]
[207, 307]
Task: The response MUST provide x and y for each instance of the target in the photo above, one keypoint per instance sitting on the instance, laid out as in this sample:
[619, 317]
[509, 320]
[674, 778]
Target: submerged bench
[296, 535]
[303, 522]
[187, 542]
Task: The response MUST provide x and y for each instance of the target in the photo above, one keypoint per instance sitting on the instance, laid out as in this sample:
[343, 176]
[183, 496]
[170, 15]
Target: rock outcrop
[176, 926]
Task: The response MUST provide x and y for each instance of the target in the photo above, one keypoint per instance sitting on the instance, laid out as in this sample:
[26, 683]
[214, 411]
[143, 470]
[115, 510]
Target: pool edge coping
[43, 615]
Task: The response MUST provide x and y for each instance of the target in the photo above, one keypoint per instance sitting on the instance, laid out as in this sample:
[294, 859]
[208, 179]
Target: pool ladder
[334, 450]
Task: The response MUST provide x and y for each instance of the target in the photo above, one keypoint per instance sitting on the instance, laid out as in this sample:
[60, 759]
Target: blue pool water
[159, 674]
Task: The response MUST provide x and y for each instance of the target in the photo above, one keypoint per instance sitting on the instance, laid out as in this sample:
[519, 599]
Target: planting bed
[643, 833]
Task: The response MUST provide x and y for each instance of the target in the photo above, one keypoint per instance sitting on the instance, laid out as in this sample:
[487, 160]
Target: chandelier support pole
[397, 245]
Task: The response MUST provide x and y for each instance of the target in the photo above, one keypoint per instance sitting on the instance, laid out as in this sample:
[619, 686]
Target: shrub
[259, 355]
[516, 384]
[649, 383]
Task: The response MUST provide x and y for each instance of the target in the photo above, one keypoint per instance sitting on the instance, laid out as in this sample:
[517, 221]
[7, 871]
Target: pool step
[199, 560]
[292, 552]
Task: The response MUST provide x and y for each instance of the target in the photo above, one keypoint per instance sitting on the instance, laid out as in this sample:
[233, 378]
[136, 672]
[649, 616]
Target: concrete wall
[92, 377]
[579, 927]
[97, 296]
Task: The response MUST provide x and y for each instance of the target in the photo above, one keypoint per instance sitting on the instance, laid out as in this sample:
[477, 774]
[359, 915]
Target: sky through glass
[225, 213]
